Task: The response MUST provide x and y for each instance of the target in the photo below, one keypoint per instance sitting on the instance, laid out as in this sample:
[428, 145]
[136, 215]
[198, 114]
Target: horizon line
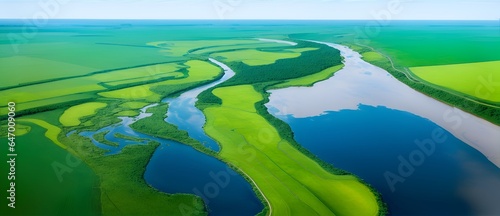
[170, 19]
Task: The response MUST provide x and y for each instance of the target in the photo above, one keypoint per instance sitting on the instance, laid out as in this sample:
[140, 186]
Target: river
[425, 157]
[178, 168]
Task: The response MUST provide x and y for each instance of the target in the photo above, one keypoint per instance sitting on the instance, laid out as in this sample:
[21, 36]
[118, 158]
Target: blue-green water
[178, 168]
[454, 179]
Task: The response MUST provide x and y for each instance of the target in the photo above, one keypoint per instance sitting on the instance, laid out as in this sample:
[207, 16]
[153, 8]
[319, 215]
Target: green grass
[123, 189]
[128, 113]
[52, 132]
[459, 100]
[474, 79]
[372, 56]
[39, 190]
[254, 57]
[216, 49]
[20, 130]
[179, 48]
[292, 182]
[156, 126]
[134, 105]
[49, 90]
[100, 137]
[71, 117]
[123, 136]
[122, 185]
[27, 69]
[198, 71]
[310, 79]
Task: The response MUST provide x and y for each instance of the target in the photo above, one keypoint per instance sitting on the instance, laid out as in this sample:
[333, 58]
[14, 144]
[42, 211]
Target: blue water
[178, 168]
[183, 113]
[455, 179]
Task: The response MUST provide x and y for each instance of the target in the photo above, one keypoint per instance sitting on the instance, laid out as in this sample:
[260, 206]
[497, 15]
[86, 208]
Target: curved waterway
[178, 168]
[425, 157]
[183, 113]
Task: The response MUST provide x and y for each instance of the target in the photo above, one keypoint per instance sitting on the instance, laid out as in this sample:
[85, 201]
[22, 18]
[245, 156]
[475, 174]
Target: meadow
[75, 78]
[473, 79]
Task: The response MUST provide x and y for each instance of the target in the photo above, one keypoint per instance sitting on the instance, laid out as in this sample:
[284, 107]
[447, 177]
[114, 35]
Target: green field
[253, 57]
[478, 80]
[46, 177]
[311, 79]
[83, 78]
[71, 117]
[293, 183]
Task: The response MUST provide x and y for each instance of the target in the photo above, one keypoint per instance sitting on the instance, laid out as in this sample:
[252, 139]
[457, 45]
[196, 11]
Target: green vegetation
[27, 70]
[52, 131]
[156, 126]
[310, 79]
[128, 113]
[123, 188]
[474, 79]
[254, 57]
[46, 176]
[238, 119]
[134, 105]
[372, 56]
[234, 47]
[71, 117]
[236, 125]
[20, 130]
[123, 136]
[483, 109]
[180, 48]
[199, 71]
[100, 137]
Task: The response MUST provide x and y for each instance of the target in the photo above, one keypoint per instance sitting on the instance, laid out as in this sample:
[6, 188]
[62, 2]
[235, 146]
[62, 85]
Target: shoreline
[389, 92]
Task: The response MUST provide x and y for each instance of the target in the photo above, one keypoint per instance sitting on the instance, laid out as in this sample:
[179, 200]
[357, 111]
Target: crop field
[474, 79]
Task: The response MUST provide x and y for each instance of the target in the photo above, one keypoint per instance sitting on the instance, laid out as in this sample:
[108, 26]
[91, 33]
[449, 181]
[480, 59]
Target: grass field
[478, 80]
[293, 183]
[45, 181]
[129, 113]
[52, 132]
[134, 105]
[197, 70]
[372, 56]
[222, 48]
[27, 69]
[254, 57]
[311, 79]
[179, 48]
[71, 117]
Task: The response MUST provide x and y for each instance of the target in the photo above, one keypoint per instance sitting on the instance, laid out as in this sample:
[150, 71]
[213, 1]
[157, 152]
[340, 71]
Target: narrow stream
[183, 113]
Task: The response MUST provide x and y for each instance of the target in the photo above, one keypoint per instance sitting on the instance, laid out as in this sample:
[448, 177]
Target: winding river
[183, 113]
[425, 157]
[178, 168]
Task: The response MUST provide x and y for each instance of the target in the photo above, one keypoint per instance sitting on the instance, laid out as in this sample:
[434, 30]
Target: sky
[252, 9]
